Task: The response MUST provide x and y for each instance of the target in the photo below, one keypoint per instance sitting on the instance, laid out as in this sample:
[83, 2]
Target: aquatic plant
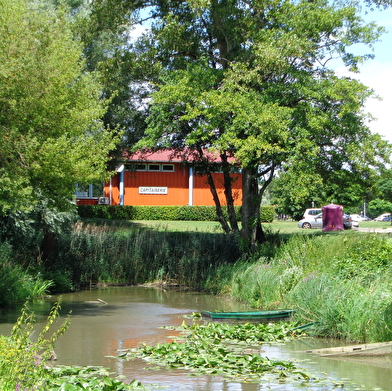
[91, 378]
[224, 349]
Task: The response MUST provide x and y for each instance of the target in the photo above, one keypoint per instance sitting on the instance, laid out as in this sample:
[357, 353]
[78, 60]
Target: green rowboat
[249, 316]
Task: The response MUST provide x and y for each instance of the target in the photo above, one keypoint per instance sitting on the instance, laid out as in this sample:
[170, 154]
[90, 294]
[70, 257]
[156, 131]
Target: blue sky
[377, 74]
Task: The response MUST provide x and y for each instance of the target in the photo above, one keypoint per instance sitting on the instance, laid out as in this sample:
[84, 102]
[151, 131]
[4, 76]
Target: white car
[383, 217]
[311, 213]
[317, 222]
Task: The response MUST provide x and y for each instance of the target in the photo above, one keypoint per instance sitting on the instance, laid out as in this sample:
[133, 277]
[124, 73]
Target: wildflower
[38, 360]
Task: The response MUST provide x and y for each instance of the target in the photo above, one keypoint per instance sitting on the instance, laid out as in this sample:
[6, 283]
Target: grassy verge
[281, 226]
[16, 283]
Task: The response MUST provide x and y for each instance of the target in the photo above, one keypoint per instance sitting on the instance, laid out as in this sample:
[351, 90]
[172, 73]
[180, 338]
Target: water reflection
[136, 315]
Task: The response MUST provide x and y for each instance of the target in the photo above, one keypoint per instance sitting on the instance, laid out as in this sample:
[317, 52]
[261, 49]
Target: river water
[136, 315]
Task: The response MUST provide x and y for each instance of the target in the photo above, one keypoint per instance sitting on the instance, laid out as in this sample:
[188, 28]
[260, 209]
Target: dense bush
[186, 213]
[267, 213]
[23, 362]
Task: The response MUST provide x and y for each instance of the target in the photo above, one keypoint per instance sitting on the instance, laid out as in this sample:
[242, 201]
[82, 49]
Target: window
[149, 167]
[154, 167]
[94, 190]
[167, 167]
[141, 167]
[82, 191]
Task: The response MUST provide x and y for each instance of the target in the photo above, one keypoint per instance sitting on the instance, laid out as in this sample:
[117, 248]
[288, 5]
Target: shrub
[22, 362]
[186, 213]
[342, 281]
[344, 309]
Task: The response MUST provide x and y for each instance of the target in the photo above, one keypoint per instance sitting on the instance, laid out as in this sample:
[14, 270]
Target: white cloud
[376, 75]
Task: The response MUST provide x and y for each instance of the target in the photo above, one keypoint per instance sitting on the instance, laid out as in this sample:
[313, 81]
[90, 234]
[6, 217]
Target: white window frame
[141, 165]
[168, 165]
[147, 167]
[154, 164]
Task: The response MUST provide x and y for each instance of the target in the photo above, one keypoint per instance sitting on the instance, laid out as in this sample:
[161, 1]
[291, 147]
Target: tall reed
[16, 283]
[342, 281]
[95, 254]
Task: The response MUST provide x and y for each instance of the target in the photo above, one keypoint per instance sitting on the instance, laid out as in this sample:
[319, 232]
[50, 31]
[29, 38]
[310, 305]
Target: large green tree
[51, 133]
[346, 184]
[105, 29]
[252, 81]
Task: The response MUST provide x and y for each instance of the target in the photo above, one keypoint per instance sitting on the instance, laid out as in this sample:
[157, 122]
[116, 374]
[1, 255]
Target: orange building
[161, 178]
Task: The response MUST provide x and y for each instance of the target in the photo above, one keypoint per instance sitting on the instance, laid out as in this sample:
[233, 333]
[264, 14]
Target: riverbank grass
[342, 282]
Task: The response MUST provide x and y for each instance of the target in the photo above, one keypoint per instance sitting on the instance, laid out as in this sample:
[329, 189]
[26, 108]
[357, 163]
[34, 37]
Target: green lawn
[285, 227]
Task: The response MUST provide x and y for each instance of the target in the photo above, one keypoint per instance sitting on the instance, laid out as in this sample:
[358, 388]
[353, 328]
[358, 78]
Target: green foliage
[259, 89]
[22, 361]
[16, 284]
[383, 187]
[363, 259]
[341, 281]
[378, 206]
[50, 131]
[86, 378]
[26, 230]
[346, 309]
[185, 213]
[267, 213]
[215, 349]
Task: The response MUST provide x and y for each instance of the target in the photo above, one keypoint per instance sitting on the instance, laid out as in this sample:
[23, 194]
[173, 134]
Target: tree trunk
[218, 206]
[251, 231]
[227, 180]
[48, 248]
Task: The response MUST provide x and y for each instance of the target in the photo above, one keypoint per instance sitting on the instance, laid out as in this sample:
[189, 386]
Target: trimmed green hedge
[186, 213]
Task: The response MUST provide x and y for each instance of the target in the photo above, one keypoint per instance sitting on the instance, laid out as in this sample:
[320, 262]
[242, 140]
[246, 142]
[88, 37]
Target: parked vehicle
[311, 212]
[317, 222]
[383, 217]
[311, 222]
[347, 222]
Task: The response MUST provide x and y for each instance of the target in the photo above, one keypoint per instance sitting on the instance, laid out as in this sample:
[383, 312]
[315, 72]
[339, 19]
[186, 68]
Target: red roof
[171, 155]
